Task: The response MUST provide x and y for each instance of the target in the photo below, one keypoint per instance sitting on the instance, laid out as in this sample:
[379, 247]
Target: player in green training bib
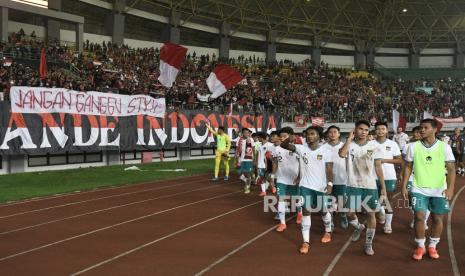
[433, 165]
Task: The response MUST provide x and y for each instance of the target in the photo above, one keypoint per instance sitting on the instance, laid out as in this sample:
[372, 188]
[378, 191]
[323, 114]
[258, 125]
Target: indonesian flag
[171, 58]
[318, 121]
[427, 115]
[398, 121]
[221, 79]
[43, 65]
[7, 62]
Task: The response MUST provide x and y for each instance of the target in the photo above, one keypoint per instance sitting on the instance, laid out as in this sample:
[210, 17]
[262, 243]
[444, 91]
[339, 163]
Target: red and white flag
[450, 120]
[318, 121]
[398, 121]
[7, 62]
[171, 58]
[221, 79]
[439, 123]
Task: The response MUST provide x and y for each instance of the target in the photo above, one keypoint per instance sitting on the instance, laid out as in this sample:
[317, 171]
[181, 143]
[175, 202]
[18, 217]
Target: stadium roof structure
[386, 23]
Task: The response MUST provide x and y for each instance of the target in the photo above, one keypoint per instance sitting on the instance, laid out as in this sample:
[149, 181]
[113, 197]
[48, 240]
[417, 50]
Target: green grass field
[29, 185]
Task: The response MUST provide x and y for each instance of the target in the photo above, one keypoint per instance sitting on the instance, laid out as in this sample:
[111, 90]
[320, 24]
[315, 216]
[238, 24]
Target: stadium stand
[284, 86]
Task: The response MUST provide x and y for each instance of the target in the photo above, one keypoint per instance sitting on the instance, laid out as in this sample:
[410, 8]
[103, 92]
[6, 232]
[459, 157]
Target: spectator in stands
[401, 138]
[286, 87]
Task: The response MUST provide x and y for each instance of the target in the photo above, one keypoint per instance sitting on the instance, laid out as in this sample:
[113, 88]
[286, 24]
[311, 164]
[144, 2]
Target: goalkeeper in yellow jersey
[223, 145]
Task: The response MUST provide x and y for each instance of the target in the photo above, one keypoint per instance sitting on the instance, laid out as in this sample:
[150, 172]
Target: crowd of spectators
[286, 87]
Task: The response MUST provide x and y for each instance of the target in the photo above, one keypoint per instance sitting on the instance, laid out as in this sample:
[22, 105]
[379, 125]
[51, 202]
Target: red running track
[191, 225]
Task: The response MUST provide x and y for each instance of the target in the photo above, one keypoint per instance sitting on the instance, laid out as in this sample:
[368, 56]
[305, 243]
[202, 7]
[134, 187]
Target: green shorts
[355, 197]
[261, 172]
[287, 190]
[314, 200]
[390, 185]
[437, 205]
[246, 167]
[409, 186]
[339, 191]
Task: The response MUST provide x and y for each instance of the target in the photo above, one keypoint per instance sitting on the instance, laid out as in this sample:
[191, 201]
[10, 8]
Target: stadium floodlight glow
[404, 10]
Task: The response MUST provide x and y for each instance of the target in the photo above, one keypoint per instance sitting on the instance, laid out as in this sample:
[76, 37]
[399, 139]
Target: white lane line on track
[99, 189]
[106, 209]
[346, 245]
[112, 226]
[242, 246]
[99, 198]
[161, 239]
[450, 243]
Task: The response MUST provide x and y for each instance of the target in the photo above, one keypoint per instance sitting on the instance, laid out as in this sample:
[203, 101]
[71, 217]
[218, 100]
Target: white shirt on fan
[361, 171]
[389, 149]
[288, 166]
[339, 164]
[401, 139]
[313, 174]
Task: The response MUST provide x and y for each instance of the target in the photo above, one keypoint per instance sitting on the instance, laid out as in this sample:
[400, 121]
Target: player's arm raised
[211, 129]
[345, 149]
[286, 144]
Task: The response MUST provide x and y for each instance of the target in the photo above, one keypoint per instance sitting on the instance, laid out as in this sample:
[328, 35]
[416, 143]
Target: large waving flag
[398, 121]
[221, 79]
[427, 115]
[171, 58]
[43, 65]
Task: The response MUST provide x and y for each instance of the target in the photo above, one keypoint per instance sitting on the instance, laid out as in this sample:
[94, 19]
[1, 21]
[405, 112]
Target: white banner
[59, 100]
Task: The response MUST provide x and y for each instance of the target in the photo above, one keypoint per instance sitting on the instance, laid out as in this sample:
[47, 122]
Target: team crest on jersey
[370, 153]
[388, 148]
[429, 160]
[319, 157]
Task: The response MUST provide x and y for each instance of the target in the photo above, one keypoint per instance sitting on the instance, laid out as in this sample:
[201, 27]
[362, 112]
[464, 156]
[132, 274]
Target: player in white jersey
[339, 170]
[275, 141]
[391, 156]
[315, 182]
[286, 168]
[263, 162]
[363, 165]
[239, 140]
[247, 154]
[256, 145]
